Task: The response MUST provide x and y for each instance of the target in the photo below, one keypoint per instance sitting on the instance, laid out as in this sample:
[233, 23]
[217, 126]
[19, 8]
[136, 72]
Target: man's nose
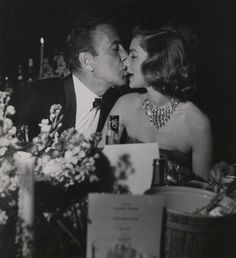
[123, 54]
[126, 61]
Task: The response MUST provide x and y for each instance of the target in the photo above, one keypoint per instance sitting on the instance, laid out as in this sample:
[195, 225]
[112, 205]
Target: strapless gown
[179, 164]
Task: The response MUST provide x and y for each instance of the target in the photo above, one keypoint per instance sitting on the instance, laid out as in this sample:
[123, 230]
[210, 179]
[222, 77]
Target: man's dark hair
[81, 39]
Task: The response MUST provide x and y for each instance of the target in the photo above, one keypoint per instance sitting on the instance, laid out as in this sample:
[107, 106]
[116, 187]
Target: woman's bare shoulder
[130, 100]
[195, 117]
[131, 97]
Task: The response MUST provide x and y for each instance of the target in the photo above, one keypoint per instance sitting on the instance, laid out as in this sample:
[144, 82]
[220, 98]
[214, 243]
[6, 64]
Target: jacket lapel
[70, 103]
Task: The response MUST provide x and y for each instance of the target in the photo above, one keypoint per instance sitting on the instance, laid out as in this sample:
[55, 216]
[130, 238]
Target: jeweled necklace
[159, 115]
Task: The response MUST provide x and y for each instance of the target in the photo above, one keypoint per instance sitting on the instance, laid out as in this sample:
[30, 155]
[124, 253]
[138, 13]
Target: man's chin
[122, 83]
[131, 85]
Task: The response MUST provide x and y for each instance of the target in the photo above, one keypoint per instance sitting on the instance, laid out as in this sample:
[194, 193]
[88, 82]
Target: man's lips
[125, 73]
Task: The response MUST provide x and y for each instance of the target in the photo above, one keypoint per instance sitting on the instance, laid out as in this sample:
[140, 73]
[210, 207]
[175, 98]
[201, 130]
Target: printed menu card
[124, 226]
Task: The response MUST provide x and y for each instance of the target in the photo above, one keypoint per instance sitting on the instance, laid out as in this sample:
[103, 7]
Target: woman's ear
[86, 61]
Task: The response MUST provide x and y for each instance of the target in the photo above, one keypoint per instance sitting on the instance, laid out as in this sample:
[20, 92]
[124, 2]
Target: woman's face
[134, 61]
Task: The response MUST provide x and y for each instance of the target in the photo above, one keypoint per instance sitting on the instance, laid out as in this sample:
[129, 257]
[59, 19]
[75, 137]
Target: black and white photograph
[117, 129]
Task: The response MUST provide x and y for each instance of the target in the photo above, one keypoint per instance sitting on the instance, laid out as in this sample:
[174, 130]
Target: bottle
[159, 174]
[22, 133]
[20, 76]
[112, 136]
[30, 71]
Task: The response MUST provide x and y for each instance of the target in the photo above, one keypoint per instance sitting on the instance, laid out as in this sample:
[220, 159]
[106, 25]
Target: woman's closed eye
[132, 56]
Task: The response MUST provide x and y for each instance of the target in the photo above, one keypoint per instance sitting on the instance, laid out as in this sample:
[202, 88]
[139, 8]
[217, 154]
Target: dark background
[23, 22]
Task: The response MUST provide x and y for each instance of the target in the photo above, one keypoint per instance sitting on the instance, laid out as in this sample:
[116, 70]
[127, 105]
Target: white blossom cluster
[8, 146]
[48, 130]
[71, 159]
[7, 130]
[9, 180]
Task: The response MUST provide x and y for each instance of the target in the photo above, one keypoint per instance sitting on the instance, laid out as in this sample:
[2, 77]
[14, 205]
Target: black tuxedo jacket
[33, 103]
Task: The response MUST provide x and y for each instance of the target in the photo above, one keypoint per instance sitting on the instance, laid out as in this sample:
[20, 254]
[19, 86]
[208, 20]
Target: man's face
[108, 65]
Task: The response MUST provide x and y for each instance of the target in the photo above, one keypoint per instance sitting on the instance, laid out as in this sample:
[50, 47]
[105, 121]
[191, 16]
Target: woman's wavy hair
[168, 67]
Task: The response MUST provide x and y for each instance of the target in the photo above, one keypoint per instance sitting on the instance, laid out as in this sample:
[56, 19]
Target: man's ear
[86, 60]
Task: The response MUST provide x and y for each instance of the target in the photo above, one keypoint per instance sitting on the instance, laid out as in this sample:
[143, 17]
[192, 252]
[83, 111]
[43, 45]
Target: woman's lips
[131, 76]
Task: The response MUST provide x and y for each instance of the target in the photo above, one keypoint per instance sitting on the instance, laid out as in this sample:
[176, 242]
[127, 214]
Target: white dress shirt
[86, 116]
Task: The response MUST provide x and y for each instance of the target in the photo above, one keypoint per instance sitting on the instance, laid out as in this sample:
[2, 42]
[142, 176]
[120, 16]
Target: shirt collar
[83, 94]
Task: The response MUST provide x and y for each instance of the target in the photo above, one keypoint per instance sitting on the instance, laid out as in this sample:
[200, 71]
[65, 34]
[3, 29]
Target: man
[95, 57]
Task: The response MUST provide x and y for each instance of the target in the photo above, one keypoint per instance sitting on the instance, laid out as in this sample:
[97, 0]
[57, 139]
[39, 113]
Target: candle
[41, 56]
[25, 169]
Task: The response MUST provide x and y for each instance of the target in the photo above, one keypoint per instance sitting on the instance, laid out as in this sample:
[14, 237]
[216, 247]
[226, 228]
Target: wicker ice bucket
[185, 235]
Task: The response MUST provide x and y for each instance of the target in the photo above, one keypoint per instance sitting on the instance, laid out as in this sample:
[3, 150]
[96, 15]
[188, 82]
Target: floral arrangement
[67, 159]
[66, 170]
[68, 166]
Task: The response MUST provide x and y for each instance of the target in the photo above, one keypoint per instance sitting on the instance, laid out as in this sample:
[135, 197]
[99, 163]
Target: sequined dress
[179, 164]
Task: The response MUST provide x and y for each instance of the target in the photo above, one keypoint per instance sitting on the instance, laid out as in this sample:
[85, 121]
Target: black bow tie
[97, 103]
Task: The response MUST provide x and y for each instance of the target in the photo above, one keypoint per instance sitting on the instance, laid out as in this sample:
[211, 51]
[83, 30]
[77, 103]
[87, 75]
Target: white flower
[79, 177]
[56, 108]
[96, 156]
[85, 145]
[47, 215]
[68, 154]
[81, 154]
[3, 151]
[4, 142]
[56, 137]
[53, 168]
[12, 131]
[45, 126]
[44, 136]
[45, 121]
[3, 217]
[6, 167]
[92, 161]
[14, 183]
[1, 113]
[7, 125]
[52, 117]
[10, 110]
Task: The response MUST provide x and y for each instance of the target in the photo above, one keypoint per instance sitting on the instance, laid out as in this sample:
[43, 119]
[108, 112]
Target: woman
[158, 61]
